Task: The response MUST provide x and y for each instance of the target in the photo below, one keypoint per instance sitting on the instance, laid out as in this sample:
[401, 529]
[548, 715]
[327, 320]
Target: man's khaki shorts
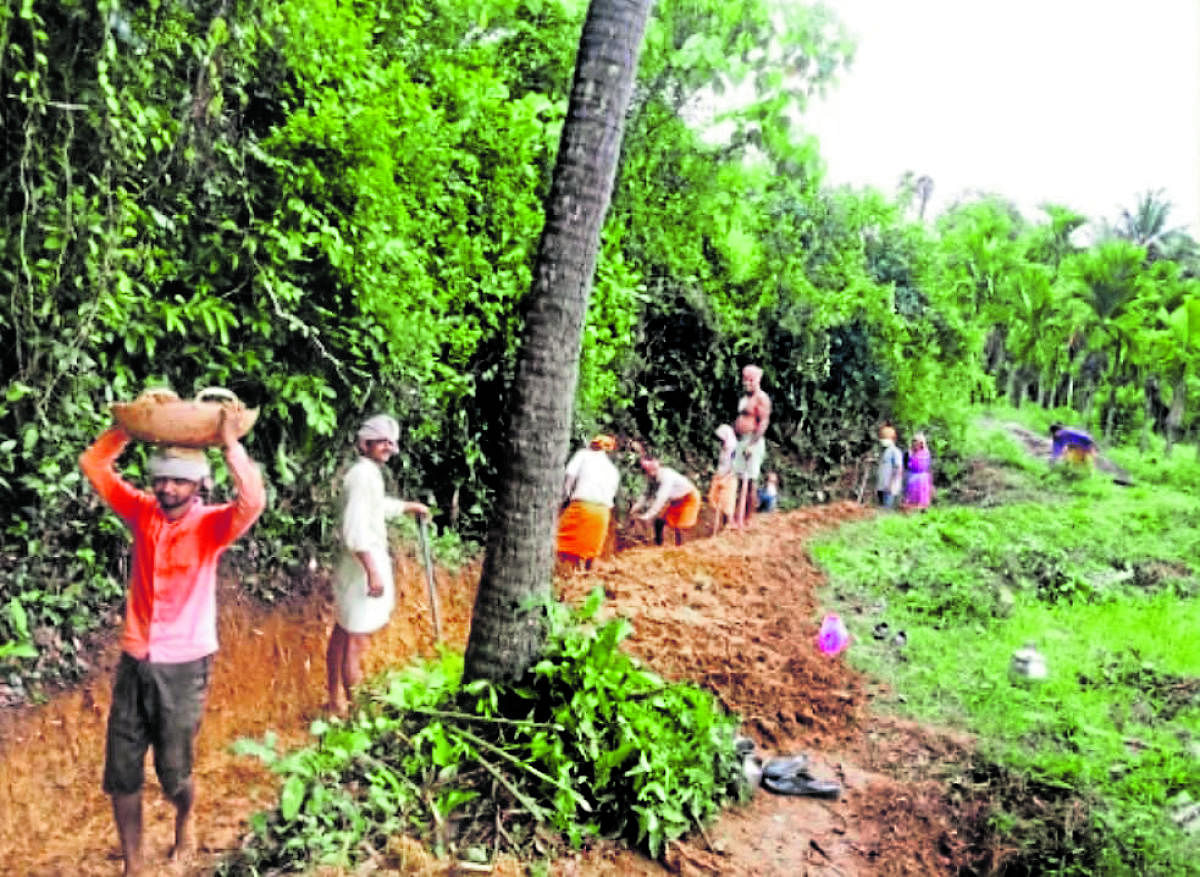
[159, 706]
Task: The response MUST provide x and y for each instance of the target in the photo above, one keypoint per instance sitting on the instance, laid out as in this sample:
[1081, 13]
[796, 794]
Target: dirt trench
[736, 614]
[268, 675]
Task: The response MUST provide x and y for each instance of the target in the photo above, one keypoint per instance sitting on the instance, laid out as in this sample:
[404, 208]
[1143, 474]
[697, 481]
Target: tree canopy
[333, 209]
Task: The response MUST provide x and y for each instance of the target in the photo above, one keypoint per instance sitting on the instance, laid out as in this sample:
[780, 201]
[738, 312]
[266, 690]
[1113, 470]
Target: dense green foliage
[1083, 772]
[1111, 330]
[591, 745]
[332, 209]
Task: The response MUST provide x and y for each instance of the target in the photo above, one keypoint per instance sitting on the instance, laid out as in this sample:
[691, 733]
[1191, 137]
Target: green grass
[1104, 580]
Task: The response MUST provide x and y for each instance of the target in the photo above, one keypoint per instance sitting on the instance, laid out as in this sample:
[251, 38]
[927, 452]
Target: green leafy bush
[591, 745]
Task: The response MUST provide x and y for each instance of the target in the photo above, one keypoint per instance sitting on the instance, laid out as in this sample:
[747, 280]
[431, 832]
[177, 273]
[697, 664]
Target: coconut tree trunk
[506, 624]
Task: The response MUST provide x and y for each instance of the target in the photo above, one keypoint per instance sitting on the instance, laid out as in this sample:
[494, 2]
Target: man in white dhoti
[363, 589]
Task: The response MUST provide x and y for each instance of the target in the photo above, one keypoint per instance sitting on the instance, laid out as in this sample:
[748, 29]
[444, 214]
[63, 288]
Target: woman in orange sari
[589, 491]
[672, 501]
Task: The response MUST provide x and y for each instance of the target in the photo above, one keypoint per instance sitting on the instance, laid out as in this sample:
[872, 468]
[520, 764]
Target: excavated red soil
[737, 614]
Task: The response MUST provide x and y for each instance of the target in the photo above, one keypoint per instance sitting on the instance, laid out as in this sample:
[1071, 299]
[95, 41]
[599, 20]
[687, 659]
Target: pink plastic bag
[833, 636]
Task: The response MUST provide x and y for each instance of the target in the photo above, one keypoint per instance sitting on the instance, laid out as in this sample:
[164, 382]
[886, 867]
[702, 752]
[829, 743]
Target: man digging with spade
[170, 632]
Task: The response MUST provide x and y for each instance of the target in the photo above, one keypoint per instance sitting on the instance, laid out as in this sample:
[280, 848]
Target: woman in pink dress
[919, 490]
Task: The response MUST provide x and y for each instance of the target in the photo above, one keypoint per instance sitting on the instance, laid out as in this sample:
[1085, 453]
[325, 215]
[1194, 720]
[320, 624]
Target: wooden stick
[423, 529]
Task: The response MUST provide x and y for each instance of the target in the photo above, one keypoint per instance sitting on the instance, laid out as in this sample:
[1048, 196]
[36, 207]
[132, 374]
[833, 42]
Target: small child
[768, 494]
[722, 493]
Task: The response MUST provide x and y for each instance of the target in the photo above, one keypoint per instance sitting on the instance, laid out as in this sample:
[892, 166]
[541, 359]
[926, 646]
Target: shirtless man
[754, 416]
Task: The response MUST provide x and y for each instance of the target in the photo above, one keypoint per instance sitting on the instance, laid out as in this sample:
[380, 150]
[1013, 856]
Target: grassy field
[1094, 767]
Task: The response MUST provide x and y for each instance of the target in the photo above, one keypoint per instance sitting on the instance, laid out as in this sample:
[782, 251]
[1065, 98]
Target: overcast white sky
[1086, 103]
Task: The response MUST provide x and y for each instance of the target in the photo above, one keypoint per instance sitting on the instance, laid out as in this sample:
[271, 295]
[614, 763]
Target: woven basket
[162, 417]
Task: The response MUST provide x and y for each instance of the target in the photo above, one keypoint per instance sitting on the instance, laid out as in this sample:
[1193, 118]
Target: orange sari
[582, 528]
[722, 494]
[682, 513]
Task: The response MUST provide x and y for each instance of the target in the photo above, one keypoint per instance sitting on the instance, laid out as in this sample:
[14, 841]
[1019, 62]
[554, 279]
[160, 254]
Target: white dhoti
[363, 530]
[356, 611]
[748, 457]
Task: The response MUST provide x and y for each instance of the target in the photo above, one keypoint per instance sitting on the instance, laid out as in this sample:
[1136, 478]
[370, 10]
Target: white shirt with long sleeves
[671, 486]
[364, 511]
[591, 477]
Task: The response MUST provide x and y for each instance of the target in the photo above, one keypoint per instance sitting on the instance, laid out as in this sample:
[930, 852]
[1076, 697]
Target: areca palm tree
[1044, 319]
[506, 625]
[1112, 280]
[924, 189]
[1147, 226]
[1175, 340]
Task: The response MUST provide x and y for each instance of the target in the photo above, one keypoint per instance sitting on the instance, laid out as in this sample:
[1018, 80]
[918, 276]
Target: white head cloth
[381, 426]
[727, 436]
[190, 464]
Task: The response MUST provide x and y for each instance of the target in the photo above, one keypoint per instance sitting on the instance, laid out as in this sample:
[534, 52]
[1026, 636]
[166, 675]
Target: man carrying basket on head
[170, 632]
[363, 589]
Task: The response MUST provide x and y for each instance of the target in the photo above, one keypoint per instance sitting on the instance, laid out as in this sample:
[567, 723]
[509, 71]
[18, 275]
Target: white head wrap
[727, 436]
[381, 426]
[190, 464]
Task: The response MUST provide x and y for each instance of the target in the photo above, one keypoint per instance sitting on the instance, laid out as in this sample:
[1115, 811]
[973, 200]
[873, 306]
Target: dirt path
[269, 674]
[737, 614]
[1039, 446]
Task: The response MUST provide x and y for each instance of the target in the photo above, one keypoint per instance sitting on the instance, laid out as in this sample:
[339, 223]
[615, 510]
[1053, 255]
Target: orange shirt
[171, 605]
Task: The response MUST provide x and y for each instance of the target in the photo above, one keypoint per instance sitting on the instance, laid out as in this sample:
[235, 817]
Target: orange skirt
[722, 493]
[682, 513]
[1080, 456]
[582, 528]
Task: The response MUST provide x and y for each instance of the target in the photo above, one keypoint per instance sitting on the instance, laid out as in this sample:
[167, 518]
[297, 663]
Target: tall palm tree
[923, 188]
[1113, 281]
[1146, 226]
[1179, 357]
[506, 625]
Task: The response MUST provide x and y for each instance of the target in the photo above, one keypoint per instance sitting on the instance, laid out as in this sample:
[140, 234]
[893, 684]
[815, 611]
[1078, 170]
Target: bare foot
[336, 709]
[182, 851]
[132, 867]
